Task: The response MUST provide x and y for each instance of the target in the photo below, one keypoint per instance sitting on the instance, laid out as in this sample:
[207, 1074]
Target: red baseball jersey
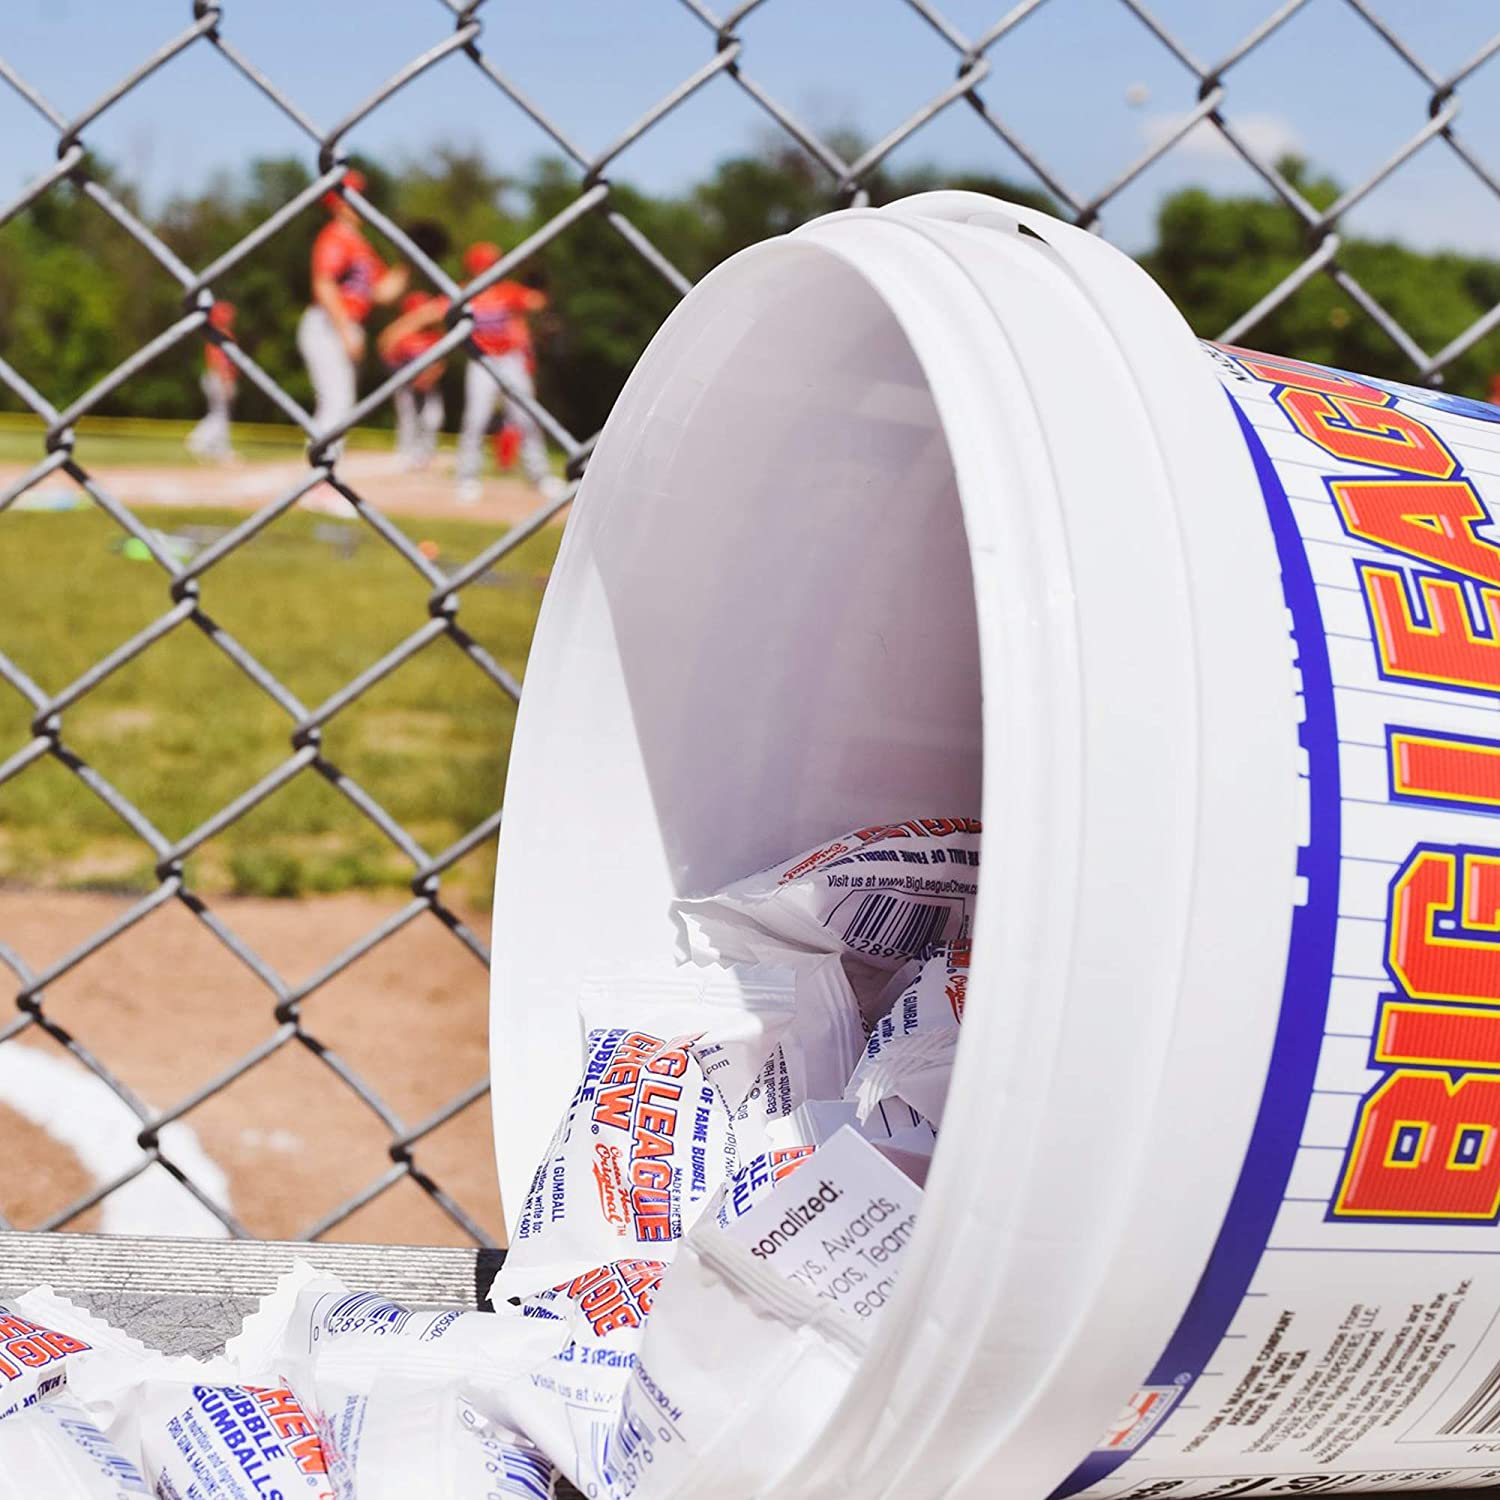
[500, 325]
[344, 254]
[424, 338]
[218, 363]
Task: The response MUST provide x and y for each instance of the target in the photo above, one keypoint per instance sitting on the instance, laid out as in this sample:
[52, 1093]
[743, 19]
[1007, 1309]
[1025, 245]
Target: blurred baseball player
[348, 278]
[210, 438]
[419, 405]
[502, 335]
[507, 445]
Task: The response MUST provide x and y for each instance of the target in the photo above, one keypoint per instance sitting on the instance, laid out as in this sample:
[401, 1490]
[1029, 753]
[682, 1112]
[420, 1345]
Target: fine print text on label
[839, 1226]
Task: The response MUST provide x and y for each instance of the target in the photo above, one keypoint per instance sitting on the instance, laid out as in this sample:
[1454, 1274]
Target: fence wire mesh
[458, 31]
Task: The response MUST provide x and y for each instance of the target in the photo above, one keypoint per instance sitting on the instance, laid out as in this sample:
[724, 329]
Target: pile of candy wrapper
[715, 1230]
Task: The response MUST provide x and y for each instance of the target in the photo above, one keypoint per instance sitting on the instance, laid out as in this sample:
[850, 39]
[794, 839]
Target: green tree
[1216, 257]
[606, 302]
[78, 294]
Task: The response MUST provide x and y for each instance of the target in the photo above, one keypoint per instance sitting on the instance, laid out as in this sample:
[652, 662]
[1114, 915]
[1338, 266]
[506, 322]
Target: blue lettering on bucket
[1277, 1133]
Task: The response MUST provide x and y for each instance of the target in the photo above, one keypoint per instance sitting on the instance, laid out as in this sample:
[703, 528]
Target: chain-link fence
[458, 32]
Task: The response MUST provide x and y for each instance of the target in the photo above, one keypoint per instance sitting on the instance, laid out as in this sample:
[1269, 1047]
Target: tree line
[77, 294]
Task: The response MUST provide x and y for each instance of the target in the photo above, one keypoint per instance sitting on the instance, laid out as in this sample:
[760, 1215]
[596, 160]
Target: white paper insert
[839, 1226]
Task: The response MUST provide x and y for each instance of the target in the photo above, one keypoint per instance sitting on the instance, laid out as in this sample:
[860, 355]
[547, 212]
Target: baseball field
[182, 731]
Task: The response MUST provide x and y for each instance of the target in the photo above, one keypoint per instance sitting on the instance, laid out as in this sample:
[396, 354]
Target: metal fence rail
[458, 28]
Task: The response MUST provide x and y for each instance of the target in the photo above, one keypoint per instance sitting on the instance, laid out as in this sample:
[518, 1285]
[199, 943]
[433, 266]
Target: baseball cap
[480, 256]
[353, 179]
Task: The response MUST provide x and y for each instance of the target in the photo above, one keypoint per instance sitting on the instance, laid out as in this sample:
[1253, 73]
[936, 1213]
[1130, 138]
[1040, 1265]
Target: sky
[1082, 81]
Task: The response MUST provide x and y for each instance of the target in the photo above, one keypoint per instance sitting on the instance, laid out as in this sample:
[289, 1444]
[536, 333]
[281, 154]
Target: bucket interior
[760, 634]
[783, 555]
[763, 633]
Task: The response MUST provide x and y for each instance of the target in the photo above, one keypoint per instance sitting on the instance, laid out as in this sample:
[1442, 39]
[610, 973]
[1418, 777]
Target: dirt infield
[167, 1007]
[377, 477]
[52, 1172]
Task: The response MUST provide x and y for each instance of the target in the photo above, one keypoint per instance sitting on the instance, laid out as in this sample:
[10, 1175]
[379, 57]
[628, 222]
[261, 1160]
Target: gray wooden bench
[189, 1296]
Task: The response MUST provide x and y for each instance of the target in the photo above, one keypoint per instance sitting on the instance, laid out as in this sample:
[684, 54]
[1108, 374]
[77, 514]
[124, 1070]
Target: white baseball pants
[419, 419]
[210, 438]
[481, 397]
[329, 365]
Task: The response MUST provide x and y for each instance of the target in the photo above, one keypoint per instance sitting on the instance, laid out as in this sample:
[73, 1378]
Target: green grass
[181, 730]
[119, 442]
[108, 442]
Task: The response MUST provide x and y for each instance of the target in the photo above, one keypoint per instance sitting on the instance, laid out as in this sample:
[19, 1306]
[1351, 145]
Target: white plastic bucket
[943, 504]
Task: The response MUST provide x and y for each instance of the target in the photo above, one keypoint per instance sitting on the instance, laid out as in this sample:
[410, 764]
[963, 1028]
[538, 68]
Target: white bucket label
[1345, 1334]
